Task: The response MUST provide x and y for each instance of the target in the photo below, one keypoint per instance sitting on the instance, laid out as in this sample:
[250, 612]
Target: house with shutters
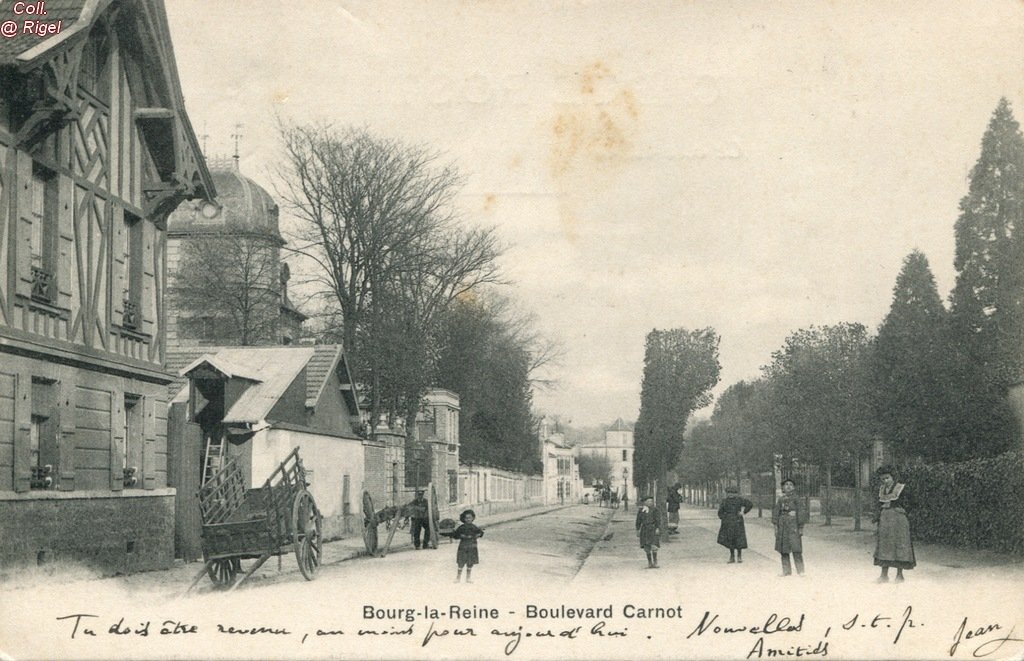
[96, 150]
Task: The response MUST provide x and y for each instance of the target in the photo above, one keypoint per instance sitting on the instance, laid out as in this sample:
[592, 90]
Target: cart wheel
[308, 526]
[435, 517]
[223, 571]
[369, 524]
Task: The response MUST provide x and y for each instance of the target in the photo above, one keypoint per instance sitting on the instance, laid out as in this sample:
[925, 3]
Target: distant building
[243, 212]
[561, 470]
[617, 448]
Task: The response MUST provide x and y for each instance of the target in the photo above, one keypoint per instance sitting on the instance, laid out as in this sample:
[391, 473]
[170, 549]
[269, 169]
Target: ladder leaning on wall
[213, 459]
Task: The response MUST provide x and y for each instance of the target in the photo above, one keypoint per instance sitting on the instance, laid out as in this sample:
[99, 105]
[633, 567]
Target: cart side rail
[279, 492]
[223, 494]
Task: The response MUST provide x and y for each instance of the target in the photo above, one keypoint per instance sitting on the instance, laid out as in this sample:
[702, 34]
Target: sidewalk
[841, 542]
[176, 579]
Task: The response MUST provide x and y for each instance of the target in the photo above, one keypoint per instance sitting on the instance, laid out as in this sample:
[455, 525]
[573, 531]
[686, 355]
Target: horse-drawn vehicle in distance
[240, 524]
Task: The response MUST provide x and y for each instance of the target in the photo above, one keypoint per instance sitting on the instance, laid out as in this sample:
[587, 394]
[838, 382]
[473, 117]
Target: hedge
[977, 503]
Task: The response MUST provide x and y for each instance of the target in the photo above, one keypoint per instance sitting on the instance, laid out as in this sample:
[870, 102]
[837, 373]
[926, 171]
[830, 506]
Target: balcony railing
[43, 288]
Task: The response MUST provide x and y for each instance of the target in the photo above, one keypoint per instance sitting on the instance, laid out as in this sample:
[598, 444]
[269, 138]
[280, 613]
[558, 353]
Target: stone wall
[110, 533]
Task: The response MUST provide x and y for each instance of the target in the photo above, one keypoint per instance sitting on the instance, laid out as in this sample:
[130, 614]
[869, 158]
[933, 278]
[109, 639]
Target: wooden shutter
[146, 271]
[148, 442]
[23, 231]
[65, 248]
[117, 267]
[117, 461]
[65, 412]
[22, 432]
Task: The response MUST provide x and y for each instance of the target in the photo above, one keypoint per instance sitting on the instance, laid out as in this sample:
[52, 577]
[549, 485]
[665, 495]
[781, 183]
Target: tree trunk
[828, 495]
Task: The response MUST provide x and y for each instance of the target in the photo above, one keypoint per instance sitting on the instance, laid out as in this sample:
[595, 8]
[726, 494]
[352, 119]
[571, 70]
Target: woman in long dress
[732, 534]
[894, 547]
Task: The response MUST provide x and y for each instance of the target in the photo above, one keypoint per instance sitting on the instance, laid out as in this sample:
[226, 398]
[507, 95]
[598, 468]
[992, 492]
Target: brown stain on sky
[490, 199]
[591, 139]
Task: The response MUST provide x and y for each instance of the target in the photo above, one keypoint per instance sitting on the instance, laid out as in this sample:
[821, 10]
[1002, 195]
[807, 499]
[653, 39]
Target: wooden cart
[241, 524]
[394, 518]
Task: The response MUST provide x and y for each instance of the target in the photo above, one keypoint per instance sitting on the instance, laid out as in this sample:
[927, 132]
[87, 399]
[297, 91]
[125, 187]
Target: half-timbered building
[95, 151]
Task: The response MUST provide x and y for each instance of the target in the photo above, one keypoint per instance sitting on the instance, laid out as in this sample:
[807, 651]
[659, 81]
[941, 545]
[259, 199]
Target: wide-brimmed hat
[732, 490]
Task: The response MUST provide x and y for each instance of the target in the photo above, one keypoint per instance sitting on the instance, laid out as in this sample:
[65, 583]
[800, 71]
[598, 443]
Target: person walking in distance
[789, 516]
[467, 534]
[732, 534]
[674, 499]
[648, 528]
[419, 521]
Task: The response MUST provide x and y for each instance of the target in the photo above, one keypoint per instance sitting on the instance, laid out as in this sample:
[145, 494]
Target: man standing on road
[673, 500]
[419, 521]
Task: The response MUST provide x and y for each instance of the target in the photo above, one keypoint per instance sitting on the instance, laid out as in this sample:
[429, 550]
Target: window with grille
[42, 239]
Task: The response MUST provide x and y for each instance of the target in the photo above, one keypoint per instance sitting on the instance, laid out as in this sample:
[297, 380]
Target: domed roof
[241, 205]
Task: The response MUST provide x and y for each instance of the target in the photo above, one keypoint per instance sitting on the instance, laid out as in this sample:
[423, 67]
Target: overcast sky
[755, 167]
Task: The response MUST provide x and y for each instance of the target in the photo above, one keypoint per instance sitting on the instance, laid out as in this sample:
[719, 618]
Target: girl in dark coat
[893, 547]
[648, 528]
[467, 534]
[733, 534]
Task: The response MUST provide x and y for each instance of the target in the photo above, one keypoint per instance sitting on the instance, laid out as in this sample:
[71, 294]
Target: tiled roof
[274, 367]
[176, 360]
[324, 361]
[67, 11]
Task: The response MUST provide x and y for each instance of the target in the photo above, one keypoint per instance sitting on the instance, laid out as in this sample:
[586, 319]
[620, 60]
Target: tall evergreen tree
[986, 330]
[680, 369]
[911, 389]
[988, 299]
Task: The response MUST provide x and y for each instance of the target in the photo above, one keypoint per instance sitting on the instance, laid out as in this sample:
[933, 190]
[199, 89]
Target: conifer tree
[985, 347]
[988, 299]
[911, 391]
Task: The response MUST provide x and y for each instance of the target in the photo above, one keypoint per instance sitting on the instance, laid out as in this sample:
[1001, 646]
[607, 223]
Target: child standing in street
[648, 528]
[789, 516]
[467, 534]
[733, 533]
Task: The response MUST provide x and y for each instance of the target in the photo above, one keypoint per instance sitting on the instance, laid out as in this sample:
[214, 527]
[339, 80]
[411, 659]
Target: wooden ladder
[213, 460]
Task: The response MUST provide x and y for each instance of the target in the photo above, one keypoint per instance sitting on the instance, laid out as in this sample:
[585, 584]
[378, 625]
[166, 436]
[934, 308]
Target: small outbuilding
[254, 405]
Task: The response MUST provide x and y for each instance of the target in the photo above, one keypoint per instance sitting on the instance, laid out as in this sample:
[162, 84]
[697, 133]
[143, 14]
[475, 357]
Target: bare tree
[227, 288]
[378, 221]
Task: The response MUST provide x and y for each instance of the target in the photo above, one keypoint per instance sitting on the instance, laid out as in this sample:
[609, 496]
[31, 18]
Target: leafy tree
[820, 383]
[742, 415]
[680, 369]
[378, 222]
[911, 392]
[480, 357]
[227, 288]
